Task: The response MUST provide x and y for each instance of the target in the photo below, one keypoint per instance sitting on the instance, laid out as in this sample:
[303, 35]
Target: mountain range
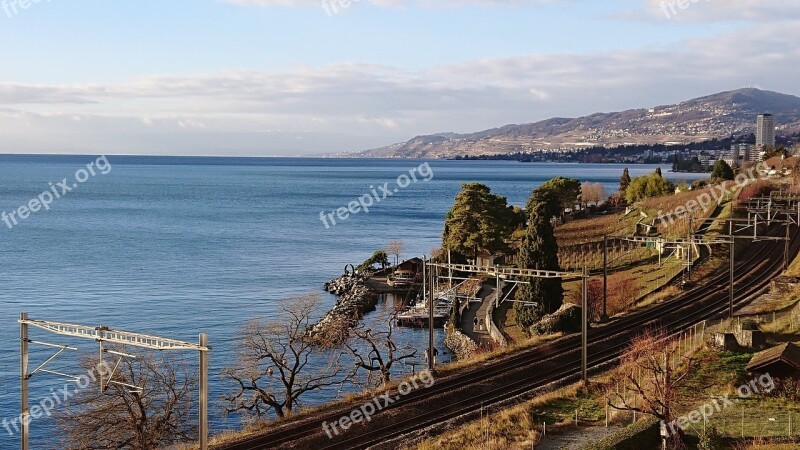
[714, 116]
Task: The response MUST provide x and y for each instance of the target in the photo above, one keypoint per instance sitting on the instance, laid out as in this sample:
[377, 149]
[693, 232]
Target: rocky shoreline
[462, 346]
[356, 299]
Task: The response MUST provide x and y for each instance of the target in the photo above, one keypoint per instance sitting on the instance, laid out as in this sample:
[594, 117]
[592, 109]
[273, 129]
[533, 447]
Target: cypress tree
[539, 251]
[722, 171]
[625, 180]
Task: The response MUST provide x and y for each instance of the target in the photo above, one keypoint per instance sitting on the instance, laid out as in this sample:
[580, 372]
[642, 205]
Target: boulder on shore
[567, 320]
[356, 299]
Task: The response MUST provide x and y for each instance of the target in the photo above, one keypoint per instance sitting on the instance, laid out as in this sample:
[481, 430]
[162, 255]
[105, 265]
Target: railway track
[487, 384]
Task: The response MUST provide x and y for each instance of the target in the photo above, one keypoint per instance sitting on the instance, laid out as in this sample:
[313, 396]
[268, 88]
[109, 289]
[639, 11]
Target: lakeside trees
[592, 193]
[478, 220]
[394, 248]
[379, 257]
[158, 415]
[558, 194]
[692, 165]
[539, 251]
[376, 352]
[277, 363]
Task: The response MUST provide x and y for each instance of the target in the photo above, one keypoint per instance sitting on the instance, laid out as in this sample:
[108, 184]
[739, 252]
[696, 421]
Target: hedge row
[643, 435]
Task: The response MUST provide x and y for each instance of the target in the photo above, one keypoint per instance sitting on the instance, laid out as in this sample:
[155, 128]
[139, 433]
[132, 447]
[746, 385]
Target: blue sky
[283, 77]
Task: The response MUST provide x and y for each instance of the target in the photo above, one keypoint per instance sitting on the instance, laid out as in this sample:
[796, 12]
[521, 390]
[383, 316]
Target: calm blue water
[177, 246]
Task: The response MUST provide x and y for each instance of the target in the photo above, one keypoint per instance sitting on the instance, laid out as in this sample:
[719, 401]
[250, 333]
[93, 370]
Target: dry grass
[794, 268]
[506, 319]
[763, 444]
[518, 427]
[592, 229]
[482, 357]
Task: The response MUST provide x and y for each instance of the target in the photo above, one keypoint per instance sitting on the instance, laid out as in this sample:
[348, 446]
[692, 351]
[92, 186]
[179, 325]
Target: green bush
[648, 186]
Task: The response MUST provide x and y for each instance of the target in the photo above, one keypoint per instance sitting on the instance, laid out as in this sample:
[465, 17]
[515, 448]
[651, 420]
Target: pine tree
[625, 180]
[478, 220]
[658, 171]
[539, 251]
[559, 193]
[722, 171]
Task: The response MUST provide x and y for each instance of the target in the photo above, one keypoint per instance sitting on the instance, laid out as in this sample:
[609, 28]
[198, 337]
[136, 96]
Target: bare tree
[376, 352]
[587, 193]
[592, 193]
[126, 418]
[653, 368]
[278, 362]
[395, 248]
[599, 192]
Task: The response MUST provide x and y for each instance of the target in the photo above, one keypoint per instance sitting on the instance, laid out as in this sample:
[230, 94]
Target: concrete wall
[494, 332]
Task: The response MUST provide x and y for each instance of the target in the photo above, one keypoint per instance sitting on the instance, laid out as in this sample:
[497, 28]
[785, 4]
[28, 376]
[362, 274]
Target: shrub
[648, 186]
[641, 435]
[710, 440]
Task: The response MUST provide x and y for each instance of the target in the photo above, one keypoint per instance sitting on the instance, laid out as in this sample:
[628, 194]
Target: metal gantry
[103, 334]
[506, 272]
[734, 226]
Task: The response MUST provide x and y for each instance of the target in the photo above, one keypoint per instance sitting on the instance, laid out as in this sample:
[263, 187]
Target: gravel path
[575, 438]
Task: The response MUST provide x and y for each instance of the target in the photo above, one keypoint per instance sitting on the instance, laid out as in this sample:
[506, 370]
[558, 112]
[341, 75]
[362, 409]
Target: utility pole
[449, 271]
[497, 290]
[203, 428]
[605, 277]
[731, 257]
[689, 248]
[584, 327]
[23, 378]
[424, 277]
[104, 334]
[786, 248]
[430, 322]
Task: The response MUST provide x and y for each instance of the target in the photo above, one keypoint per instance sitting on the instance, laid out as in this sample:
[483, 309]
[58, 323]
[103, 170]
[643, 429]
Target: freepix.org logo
[376, 195]
[383, 401]
[54, 192]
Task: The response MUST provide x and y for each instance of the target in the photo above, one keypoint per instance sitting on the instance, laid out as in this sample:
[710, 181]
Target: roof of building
[781, 360]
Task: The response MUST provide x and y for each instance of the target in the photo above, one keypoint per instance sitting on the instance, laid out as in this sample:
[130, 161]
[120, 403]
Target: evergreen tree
[722, 171]
[558, 193]
[625, 180]
[478, 220]
[539, 251]
[658, 171]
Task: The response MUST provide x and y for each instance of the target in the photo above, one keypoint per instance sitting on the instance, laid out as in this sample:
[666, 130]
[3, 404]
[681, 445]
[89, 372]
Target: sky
[304, 77]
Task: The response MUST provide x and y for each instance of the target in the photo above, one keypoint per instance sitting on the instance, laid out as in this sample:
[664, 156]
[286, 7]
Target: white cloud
[355, 106]
[723, 10]
[396, 3]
